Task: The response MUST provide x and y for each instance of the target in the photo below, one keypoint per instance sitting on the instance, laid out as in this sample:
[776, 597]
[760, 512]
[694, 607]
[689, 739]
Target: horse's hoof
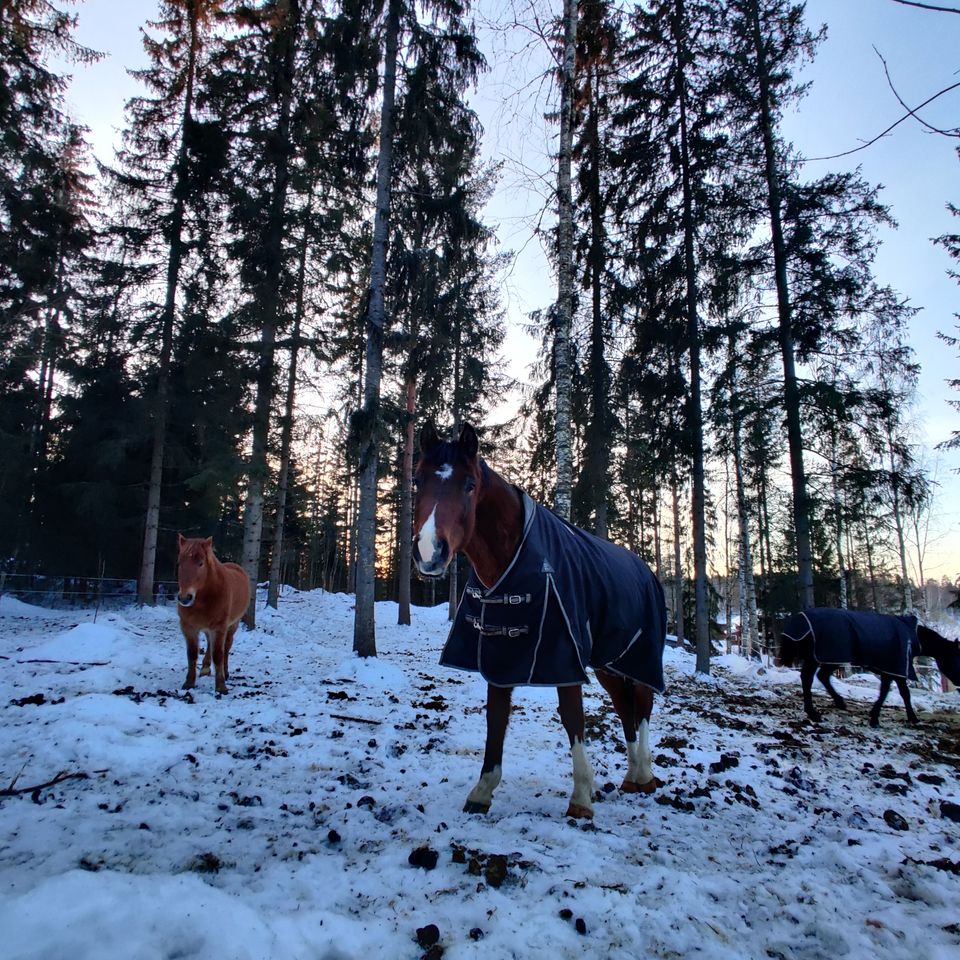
[841, 704]
[222, 688]
[815, 715]
[874, 723]
[188, 684]
[205, 671]
[471, 806]
[579, 812]
[631, 786]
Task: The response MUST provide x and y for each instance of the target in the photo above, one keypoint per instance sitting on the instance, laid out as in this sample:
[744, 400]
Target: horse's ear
[208, 544]
[181, 540]
[428, 438]
[469, 444]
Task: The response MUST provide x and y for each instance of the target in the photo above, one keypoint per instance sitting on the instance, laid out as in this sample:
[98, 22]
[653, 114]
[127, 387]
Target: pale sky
[849, 103]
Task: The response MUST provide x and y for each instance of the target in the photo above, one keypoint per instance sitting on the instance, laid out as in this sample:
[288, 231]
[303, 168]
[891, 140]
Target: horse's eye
[470, 485]
[415, 483]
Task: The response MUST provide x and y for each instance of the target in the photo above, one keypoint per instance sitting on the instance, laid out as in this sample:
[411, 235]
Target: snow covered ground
[279, 821]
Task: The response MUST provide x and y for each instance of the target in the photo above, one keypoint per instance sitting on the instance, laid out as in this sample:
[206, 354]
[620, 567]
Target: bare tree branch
[952, 132]
[13, 790]
[883, 133]
[927, 6]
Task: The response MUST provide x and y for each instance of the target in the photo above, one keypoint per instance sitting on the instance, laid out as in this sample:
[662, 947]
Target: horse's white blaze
[445, 472]
[482, 793]
[427, 540]
[582, 776]
[639, 760]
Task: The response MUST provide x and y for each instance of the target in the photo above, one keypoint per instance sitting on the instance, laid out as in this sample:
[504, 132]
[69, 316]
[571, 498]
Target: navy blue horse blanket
[567, 600]
[881, 642]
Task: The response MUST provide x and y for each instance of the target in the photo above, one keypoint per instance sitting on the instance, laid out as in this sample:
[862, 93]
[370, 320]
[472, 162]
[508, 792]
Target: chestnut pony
[461, 504]
[212, 599]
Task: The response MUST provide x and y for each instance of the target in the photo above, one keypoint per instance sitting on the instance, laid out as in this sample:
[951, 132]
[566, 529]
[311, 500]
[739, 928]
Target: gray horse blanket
[881, 642]
[567, 600]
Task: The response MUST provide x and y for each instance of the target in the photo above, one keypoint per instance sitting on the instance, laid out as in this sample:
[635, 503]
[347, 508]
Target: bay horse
[544, 601]
[212, 599]
[821, 639]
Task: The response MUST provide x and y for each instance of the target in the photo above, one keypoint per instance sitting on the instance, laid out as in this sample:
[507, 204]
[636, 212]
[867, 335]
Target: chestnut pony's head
[193, 564]
[445, 482]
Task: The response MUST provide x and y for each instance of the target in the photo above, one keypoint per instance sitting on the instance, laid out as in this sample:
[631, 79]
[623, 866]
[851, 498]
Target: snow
[278, 821]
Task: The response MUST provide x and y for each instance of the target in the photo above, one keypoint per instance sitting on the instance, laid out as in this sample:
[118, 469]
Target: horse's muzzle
[186, 600]
[436, 566]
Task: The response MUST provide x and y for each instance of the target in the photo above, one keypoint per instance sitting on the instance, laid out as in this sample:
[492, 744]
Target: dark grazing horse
[544, 601]
[820, 639]
[212, 599]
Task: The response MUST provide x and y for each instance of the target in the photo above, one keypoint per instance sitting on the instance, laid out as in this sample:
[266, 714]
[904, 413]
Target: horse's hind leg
[571, 716]
[498, 714]
[823, 675]
[207, 655]
[634, 705]
[219, 660]
[228, 646]
[907, 704]
[640, 778]
[885, 680]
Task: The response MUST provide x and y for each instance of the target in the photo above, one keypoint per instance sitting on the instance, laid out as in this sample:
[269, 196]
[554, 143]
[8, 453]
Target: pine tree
[45, 236]
[437, 39]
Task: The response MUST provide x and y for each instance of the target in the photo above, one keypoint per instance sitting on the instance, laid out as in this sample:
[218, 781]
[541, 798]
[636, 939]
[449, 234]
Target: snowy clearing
[279, 820]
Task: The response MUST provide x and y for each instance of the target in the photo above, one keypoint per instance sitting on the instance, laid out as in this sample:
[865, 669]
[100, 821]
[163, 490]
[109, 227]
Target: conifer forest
[238, 325]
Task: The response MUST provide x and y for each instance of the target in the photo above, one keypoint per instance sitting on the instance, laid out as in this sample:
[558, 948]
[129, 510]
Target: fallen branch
[13, 790]
[73, 663]
[340, 716]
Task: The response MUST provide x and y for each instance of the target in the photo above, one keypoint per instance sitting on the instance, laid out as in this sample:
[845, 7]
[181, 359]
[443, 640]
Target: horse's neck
[931, 643]
[497, 527]
[214, 573]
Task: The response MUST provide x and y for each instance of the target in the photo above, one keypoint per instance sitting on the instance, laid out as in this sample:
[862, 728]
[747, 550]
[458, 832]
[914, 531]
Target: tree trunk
[563, 373]
[364, 630]
[286, 438]
[695, 415]
[148, 558]
[871, 569]
[269, 304]
[838, 524]
[677, 560]
[906, 595]
[406, 506]
[791, 390]
[599, 438]
[750, 635]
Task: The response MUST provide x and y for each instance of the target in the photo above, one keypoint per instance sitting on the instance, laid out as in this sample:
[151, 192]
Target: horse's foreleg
[807, 671]
[498, 715]
[885, 680]
[220, 660]
[193, 648]
[823, 675]
[571, 716]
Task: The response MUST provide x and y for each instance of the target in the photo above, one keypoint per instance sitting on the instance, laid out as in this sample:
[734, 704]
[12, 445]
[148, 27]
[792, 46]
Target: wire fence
[66, 593]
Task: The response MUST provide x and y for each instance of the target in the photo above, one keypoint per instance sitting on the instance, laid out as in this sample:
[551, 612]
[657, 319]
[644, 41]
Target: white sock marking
[640, 765]
[482, 793]
[582, 776]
